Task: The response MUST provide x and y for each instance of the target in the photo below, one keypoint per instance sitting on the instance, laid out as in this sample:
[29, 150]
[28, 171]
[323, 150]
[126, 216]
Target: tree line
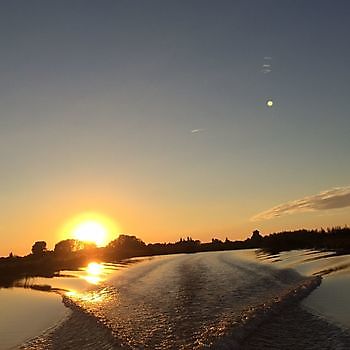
[71, 254]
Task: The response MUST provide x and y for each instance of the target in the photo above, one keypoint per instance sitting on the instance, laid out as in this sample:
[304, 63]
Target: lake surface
[217, 300]
[26, 313]
[332, 299]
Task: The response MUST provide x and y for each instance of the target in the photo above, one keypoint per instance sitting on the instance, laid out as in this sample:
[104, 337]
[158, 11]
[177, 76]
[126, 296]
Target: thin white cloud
[338, 197]
[194, 131]
[267, 58]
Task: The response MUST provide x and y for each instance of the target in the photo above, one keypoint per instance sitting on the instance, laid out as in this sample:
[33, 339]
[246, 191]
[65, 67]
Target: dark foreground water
[218, 300]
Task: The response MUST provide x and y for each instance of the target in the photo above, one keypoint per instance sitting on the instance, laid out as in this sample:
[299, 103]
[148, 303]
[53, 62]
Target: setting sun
[91, 231]
[91, 227]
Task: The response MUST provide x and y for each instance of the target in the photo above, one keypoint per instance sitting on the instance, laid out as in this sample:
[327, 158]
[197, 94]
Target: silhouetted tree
[256, 235]
[88, 245]
[67, 246]
[126, 246]
[39, 247]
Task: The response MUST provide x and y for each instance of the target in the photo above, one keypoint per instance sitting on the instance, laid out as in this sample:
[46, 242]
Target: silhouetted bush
[39, 248]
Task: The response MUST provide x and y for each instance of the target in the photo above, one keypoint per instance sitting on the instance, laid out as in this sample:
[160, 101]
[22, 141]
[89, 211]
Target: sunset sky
[153, 114]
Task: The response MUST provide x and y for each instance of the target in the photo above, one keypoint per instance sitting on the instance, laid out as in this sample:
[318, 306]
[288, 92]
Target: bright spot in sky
[91, 227]
[269, 103]
[91, 231]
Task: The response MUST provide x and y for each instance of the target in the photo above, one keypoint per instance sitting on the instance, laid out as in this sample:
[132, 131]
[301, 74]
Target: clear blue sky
[153, 113]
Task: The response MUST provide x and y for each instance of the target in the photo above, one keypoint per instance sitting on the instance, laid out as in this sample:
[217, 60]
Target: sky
[153, 114]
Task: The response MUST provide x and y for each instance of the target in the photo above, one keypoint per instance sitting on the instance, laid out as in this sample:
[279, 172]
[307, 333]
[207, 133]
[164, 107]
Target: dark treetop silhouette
[70, 254]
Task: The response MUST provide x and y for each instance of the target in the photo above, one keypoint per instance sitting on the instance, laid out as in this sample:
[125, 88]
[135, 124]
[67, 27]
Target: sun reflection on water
[93, 273]
[94, 269]
[87, 297]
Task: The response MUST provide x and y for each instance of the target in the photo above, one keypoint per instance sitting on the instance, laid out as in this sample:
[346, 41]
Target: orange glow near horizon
[91, 227]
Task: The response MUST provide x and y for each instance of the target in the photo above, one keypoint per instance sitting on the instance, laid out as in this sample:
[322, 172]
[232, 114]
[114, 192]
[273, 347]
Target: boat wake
[203, 301]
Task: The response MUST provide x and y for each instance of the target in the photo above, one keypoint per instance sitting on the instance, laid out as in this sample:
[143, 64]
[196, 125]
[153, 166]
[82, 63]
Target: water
[185, 301]
[322, 320]
[189, 301]
[26, 313]
[217, 300]
[332, 299]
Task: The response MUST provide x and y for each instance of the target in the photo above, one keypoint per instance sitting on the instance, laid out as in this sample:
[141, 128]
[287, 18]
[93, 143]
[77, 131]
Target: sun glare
[92, 228]
[94, 272]
[91, 231]
[94, 268]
